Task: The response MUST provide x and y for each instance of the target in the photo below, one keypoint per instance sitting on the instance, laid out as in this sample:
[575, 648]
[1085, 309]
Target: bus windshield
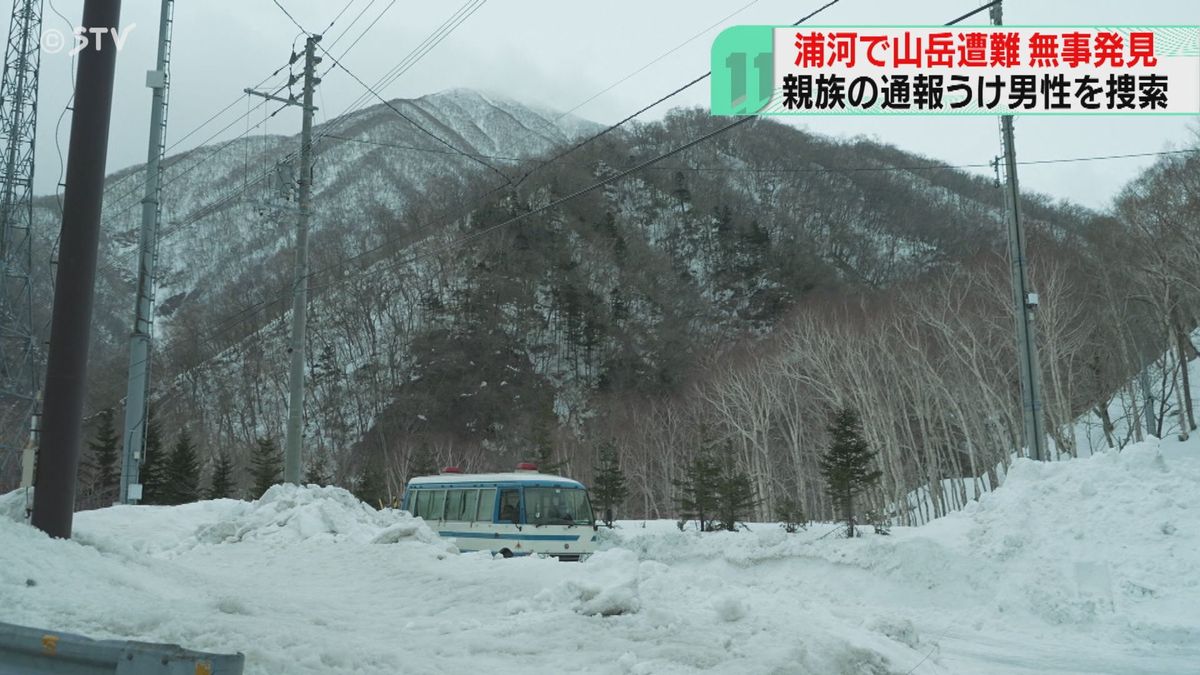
[557, 506]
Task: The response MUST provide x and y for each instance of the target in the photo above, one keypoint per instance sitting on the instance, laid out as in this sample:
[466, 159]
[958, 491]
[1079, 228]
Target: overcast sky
[558, 54]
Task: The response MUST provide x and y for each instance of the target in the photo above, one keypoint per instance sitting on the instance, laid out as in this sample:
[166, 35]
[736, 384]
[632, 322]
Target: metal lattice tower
[18, 127]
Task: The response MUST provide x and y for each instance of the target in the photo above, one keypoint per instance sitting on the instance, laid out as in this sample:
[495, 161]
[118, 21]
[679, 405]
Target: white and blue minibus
[510, 514]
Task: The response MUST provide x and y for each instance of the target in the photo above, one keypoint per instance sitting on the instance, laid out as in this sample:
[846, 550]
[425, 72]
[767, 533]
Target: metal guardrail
[33, 651]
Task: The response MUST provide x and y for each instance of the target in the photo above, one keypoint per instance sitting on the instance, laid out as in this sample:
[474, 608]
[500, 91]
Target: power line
[662, 99]
[923, 167]
[1100, 157]
[201, 211]
[289, 15]
[621, 174]
[508, 182]
[338, 16]
[647, 163]
[137, 189]
[417, 256]
[660, 57]
[290, 155]
[424, 47]
[352, 23]
[205, 123]
[207, 209]
[362, 34]
[220, 112]
[409, 119]
[200, 162]
[607, 130]
[213, 117]
[428, 43]
[411, 59]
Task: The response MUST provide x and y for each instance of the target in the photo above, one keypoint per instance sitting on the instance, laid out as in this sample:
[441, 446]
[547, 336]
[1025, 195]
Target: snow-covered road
[1085, 566]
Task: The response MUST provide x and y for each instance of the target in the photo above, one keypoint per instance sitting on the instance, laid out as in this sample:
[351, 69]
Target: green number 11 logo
[742, 70]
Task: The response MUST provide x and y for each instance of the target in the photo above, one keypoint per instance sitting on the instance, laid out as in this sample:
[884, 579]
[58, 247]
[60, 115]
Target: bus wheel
[505, 553]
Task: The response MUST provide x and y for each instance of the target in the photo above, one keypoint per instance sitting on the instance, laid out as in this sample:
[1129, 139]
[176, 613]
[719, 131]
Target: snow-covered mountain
[426, 321]
[226, 209]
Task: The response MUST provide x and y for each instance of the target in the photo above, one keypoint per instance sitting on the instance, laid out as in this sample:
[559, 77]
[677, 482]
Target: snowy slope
[359, 183]
[1082, 566]
[1162, 383]
[219, 232]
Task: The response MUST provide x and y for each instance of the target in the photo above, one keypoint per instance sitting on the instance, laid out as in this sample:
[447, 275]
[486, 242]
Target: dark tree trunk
[849, 514]
[1187, 351]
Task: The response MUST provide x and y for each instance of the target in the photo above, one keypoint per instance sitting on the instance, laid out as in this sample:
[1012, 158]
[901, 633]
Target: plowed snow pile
[1085, 566]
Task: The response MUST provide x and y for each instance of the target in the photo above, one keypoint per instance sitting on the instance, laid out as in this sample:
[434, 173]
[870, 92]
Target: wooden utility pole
[74, 290]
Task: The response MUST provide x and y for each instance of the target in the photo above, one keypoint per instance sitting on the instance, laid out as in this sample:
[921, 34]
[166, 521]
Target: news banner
[768, 70]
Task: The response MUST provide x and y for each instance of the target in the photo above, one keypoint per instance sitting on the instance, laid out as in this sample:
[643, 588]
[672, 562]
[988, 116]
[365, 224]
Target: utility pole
[295, 422]
[138, 387]
[1025, 301]
[74, 291]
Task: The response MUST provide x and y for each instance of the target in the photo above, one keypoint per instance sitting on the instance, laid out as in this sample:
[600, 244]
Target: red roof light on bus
[527, 466]
[451, 469]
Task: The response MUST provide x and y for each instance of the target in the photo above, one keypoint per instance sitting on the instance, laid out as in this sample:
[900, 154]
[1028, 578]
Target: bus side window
[510, 506]
[487, 506]
[437, 506]
[454, 504]
[466, 505]
[421, 503]
[470, 504]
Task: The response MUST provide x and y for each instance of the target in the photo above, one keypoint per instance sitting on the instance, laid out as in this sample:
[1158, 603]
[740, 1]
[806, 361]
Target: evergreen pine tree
[543, 445]
[609, 489]
[370, 486]
[697, 491]
[790, 514]
[735, 493]
[221, 486]
[847, 465]
[152, 473]
[317, 472]
[104, 448]
[423, 462]
[182, 485]
[266, 467]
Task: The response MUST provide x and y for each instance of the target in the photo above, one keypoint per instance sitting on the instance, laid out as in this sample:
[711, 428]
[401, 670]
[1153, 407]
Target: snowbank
[1099, 552]
[286, 515]
[1111, 539]
[1084, 566]
[308, 580]
[12, 505]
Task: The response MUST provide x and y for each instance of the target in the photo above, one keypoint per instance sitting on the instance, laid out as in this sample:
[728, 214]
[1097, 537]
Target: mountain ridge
[622, 292]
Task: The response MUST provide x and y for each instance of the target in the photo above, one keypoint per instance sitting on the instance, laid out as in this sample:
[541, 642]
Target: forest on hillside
[926, 354]
[727, 300]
